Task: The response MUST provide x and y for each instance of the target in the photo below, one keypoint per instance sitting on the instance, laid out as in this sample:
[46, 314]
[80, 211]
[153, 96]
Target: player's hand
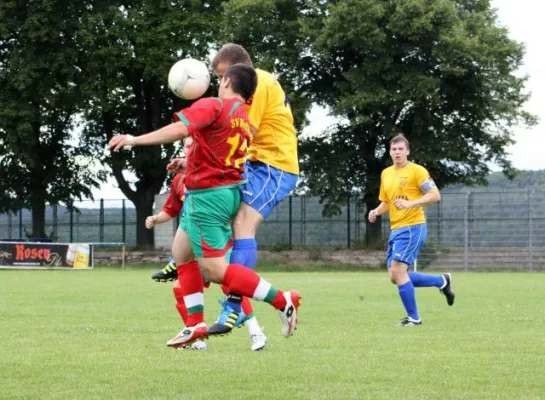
[177, 165]
[121, 141]
[402, 204]
[372, 217]
[151, 221]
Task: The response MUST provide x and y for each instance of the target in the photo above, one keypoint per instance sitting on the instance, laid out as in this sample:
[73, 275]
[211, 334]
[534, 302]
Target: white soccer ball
[189, 78]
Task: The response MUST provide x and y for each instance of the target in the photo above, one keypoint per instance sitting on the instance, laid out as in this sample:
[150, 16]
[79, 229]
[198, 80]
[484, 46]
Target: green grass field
[101, 334]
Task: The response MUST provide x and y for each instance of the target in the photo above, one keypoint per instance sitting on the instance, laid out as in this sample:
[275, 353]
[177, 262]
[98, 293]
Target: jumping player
[172, 208]
[271, 173]
[221, 131]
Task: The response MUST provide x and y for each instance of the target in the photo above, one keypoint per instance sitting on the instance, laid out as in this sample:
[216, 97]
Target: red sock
[180, 305]
[247, 283]
[191, 285]
[246, 305]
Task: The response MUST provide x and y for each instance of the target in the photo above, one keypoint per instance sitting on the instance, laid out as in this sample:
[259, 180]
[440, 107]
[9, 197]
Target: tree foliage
[131, 46]
[441, 72]
[272, 32]
[41, 160]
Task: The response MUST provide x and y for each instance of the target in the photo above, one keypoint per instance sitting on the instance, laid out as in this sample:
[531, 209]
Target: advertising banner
[46, 255]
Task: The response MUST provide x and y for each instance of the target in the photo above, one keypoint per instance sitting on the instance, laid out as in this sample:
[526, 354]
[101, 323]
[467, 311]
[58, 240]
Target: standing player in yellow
[405, 188]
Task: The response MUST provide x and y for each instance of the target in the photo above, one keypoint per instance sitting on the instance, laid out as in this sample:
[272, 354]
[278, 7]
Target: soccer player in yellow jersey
[272, 170]
[405, 188]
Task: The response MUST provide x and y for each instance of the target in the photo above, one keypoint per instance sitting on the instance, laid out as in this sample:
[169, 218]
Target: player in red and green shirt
[221, 134]
[171, 209]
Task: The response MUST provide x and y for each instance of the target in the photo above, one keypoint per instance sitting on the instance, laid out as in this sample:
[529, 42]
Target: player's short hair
[232, 53]
[243, 80]
[400, 138]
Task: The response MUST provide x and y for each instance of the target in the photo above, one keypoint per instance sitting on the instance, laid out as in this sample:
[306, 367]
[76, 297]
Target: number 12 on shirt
[234, 141]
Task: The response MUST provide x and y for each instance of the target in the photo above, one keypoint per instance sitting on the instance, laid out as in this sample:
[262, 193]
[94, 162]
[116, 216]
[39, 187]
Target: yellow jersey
[269, 111]
[409, 182]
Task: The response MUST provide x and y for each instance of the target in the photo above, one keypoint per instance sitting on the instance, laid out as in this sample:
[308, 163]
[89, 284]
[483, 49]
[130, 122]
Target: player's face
[220, 70]
[399, 153]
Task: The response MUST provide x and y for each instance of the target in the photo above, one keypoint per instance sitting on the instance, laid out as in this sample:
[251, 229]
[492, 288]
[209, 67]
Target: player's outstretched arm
[167, 134]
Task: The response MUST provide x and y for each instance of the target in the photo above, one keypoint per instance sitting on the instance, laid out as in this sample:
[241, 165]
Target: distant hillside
[498, 182]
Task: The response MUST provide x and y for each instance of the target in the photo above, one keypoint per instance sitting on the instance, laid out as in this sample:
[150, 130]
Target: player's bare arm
[167, 134]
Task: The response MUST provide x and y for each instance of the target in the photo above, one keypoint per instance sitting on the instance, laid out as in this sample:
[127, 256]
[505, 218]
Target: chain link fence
[93, 221]
[473, 230]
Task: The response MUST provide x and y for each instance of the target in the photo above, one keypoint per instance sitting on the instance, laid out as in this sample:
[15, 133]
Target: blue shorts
[405, 243]
[266, 186]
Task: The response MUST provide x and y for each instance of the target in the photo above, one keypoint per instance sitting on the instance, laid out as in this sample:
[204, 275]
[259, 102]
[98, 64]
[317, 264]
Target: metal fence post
[356, 220]
[101, 221]
[10, 225]
[20, 223]
[466, 232]
[303, 221]
[124, 221]
[439, 218]
[71, 225]
[530, 232]
[348, 223]
[55, 220]
[290, 228]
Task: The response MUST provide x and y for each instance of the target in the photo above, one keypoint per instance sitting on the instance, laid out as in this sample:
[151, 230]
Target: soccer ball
[189, 78]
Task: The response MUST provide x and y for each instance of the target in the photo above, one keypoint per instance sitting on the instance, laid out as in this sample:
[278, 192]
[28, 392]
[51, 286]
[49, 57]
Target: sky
[523, 18]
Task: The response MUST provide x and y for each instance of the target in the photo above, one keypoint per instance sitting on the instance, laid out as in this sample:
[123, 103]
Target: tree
[272, 33]
[441, 72]
[39, 101]
[131, 47]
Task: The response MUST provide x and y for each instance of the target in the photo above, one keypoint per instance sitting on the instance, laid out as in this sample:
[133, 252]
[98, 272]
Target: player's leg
[265, 187]
[182, 310]
[443, 282]
[230, 319]
[403, 247]
[191, 289]
[243, 280]
[214, 210]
